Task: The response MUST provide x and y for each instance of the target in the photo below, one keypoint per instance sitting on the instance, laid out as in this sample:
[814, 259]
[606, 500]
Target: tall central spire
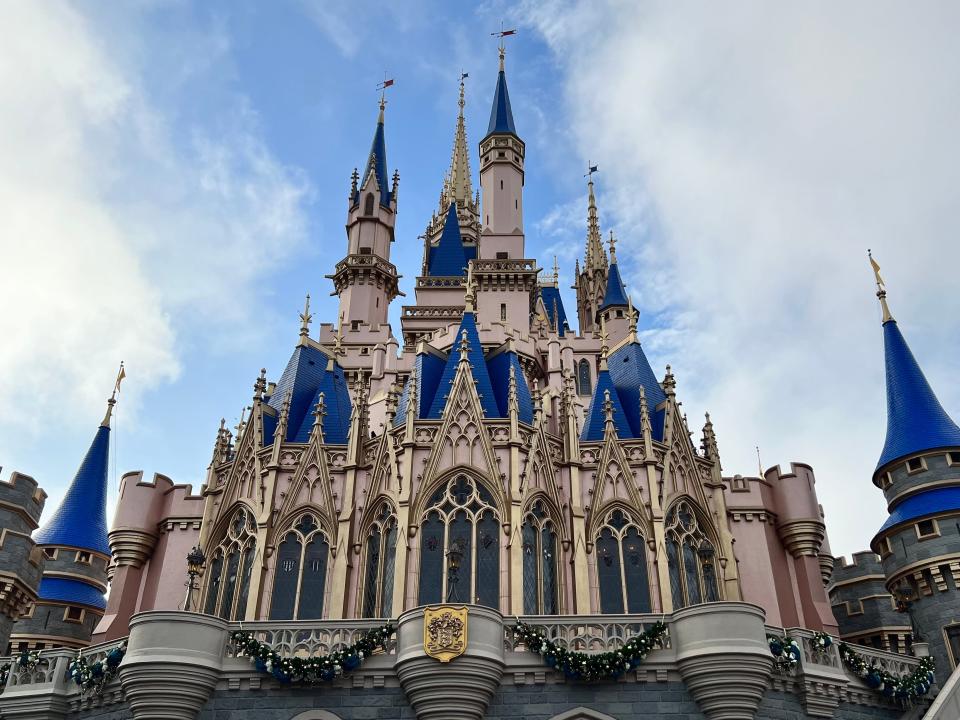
[501, 116]
[459, 186]
[595, 255]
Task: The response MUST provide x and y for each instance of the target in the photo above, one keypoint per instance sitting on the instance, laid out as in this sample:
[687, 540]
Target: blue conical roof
[916, 420]
[596, 417]
[478, 366]
[377, 162]
[448, 257]
[81, 519]
[501, 116]
[616, 294]
[630, 369]
[499, 368]
[553, 302]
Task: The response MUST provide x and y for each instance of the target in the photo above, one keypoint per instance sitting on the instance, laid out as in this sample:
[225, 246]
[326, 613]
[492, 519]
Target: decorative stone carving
[461, 688]
[172, 663]
[723, 658]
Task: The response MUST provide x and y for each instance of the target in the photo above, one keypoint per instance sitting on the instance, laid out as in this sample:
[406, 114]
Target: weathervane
[382, 87]
[501, 35]
[591, 169]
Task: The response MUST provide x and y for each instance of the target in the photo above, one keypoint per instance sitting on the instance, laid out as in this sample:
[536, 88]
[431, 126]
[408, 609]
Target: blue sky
[175, 178]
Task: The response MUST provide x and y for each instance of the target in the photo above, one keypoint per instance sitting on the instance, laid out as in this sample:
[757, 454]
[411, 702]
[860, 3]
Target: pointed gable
[554, 305]
[478, 367]
[499, 367]
[595, 421]
[615, 294]
[448, 257]
[501, 116]
[81, 519]
[916, 420]
[630, 370]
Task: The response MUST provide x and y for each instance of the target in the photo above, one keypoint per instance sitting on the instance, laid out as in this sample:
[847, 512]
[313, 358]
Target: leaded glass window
[621, 558]
[381, 552]
[300, 575]
[228, 580]
[584, 383]
[539, 562]
[460, 545]
[691, 557]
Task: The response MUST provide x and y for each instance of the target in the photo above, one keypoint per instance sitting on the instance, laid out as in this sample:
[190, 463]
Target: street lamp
[903, 594]
[454, 558]
[195, 562]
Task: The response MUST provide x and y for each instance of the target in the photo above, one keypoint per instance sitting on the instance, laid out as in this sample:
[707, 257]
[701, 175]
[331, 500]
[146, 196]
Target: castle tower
[21, 561]
[591, 280]
[76, 553]
[616, 310]
[506, 281]
[365, 279]
[501, 178]
[919, 473]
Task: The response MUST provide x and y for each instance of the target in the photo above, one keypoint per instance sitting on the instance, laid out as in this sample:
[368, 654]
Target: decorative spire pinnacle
[121, 374]
[501, 116]
[457, 184]
[464, 347]
[669, 383]
[470, 297]
[283, 420]
[709, 444]
[607, 409]
[241, 423]
[319, 412]
[881, 288]
[595, 256]
[632, 317]
[604, 347]
[305, 318]
[260, 384]
[646, 429]
[556, 272]
[613, 248]
[512, 401]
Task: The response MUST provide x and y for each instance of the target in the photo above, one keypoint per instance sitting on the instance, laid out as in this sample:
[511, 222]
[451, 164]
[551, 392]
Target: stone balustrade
[714, 660]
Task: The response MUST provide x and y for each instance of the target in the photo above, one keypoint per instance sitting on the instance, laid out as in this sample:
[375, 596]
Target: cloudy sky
[173, 179]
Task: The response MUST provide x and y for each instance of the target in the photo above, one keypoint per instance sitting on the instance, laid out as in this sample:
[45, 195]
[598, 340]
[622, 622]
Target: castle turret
[76, 552]
[616, 309]
[365, 279]
[21, 561]
[919, 473]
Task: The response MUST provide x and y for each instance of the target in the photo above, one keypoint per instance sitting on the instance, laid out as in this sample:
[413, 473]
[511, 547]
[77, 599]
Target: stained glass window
[228, 582]
[380, 557]
[460, 545]
[300, 576]
[539, 562]
[622, 565]
[691, 557]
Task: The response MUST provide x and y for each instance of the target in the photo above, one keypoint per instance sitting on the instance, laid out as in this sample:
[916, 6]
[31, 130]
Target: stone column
[459, 689]
[723, 658]
[172, 663]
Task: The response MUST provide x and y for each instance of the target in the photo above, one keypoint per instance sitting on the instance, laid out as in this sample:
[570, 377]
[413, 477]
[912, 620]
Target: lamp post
[195, 562]
[905, 600]
[454, 558]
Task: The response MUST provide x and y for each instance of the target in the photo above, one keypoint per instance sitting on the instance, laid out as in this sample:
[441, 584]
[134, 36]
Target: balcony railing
[308, 637]
[586, 633]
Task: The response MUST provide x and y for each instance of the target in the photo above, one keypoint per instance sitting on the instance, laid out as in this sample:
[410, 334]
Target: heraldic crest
[445, 632]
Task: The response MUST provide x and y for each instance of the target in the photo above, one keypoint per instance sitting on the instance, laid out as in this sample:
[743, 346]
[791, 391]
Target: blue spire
[596, 417]
[377, 162]
[916, 420]
[554, 304]
[81, 519]
[478, 365]
[501, 117]
[615, 295]
[448, 257]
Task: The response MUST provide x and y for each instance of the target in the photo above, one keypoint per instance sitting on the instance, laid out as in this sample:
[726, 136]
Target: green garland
[312, 669]
[915, 685]
[821, 641]
[26, 660]
[95, 677]
[591, 666]
[785, 651]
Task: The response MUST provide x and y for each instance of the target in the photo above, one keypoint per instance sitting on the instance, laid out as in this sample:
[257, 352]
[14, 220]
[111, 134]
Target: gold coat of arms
[445, 631]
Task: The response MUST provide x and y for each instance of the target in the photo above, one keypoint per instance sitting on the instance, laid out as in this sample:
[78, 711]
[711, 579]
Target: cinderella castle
[496, 513]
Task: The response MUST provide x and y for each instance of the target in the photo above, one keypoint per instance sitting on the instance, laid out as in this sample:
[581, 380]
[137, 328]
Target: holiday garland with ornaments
[821, 642]
[591, 666]
[785, 651]
[915, 685]
[94, 677]
[311, 669]
[26, 660]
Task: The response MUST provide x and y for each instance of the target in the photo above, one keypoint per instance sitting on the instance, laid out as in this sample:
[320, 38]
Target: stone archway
[316, 715]
[582, 713]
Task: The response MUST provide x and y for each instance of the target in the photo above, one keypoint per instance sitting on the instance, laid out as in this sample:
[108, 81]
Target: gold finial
[121, 374]
[613, 248]
[502, 47]
[556, 272]
[305, 318]
[631, 315]
[462, 102]
[881, 288]
[604, 348]
[382, 87]
[470, 297]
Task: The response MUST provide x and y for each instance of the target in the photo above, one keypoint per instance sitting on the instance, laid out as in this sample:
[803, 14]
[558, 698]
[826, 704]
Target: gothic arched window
[584, 383]
[691, 557]
[460, 546]
[539, 563]
[300, 576]
[368, 204]
[228, 582]
[381, 554]
[622, 566]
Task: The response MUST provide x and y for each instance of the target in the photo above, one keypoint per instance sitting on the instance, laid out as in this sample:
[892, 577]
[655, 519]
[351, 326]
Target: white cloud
[751, 153]
[114, 229]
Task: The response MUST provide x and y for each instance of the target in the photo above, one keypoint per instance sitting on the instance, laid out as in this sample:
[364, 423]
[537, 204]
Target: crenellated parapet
[21, 562]
[865, 610]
